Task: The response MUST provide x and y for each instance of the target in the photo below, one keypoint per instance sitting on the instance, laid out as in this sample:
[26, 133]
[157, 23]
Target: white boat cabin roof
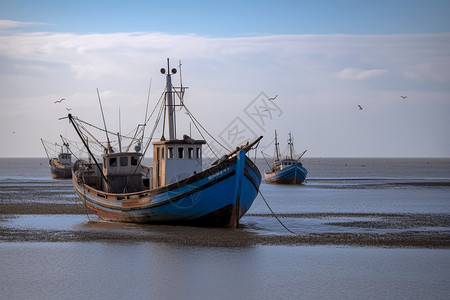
[181, 142]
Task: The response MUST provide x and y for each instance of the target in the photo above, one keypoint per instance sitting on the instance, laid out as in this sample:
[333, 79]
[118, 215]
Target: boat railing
[116, 196]
[245, 147]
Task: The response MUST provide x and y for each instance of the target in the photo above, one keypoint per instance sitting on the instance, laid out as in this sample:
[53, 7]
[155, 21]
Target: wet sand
[422, 230]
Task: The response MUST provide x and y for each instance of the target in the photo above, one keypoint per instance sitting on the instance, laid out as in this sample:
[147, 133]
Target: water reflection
[165, 271]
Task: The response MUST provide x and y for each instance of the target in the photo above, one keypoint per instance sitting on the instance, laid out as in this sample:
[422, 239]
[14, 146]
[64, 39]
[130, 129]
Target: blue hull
[294, 174]
[219, 196]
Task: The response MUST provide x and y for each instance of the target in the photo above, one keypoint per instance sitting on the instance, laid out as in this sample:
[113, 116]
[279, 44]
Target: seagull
[68, 109]
[59, 101]
[266, 110]
[360, 108]
[404, 97]
[273, 98]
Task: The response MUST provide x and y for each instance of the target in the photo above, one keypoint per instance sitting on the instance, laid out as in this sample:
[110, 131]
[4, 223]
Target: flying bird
[59, 101]
[360, 107]
[68, 109]
[404, 97]
[273, 98]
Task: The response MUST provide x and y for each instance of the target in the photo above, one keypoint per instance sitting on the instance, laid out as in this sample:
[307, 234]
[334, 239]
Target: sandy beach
[224, 237]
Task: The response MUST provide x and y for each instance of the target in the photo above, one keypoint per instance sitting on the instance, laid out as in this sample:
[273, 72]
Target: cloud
[357, 74]
[309, 73]
[6, 25]
[437, 70]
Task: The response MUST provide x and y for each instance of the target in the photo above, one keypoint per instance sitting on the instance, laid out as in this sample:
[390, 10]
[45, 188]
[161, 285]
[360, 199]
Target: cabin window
[134, 161]
[199, 152]
[190, 153]
[180, 152]
[170, 152]
[124, 161]
[113, 162]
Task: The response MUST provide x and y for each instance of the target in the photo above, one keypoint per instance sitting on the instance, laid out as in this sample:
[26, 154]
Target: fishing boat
[61, 163]
[288, 170]
[176, 189]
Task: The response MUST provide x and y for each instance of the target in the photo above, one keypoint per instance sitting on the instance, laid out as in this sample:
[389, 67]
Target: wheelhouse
[123, 172]
[174, 160]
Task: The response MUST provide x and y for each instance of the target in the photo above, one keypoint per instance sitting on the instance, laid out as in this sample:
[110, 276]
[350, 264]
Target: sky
[319, 60]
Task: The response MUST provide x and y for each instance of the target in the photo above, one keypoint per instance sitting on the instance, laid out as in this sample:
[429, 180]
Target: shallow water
[260, 225]
[164, 270]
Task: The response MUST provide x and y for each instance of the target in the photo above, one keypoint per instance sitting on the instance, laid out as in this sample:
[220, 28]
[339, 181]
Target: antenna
[119, 133]
[120, 123]
[104, 122]
[181, 83]
[146, 108]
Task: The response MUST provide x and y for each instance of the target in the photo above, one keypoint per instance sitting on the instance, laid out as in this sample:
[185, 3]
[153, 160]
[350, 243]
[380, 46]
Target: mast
[169, 101]
[277, 147]
[291, 146]
[104, 123]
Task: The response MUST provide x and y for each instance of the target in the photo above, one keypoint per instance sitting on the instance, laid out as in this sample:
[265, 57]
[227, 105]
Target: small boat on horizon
[175, 189]
[288, 170]
[61, 163]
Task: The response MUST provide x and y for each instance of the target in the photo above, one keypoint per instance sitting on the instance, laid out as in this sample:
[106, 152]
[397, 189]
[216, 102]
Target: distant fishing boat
[288, 170]
[61, 165]
[175, 190]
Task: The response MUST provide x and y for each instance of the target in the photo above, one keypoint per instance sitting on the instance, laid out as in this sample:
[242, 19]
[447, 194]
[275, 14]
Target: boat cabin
[283, 164]
[174, 160]
[65, 158]
[123, 172]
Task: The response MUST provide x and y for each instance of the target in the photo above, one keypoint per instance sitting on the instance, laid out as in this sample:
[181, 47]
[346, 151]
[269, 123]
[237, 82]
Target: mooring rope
[273, 213]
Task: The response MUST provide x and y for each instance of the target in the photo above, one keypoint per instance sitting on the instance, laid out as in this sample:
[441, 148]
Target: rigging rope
[146, 146]
[195, 120]
[209, 146]
[45, 148]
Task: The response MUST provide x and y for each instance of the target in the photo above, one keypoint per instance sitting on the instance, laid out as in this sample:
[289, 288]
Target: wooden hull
[219, 196]
[294, 174]
[59, 171]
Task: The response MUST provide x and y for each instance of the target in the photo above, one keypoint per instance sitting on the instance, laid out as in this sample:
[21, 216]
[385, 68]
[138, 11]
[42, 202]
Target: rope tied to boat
[273, 213]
